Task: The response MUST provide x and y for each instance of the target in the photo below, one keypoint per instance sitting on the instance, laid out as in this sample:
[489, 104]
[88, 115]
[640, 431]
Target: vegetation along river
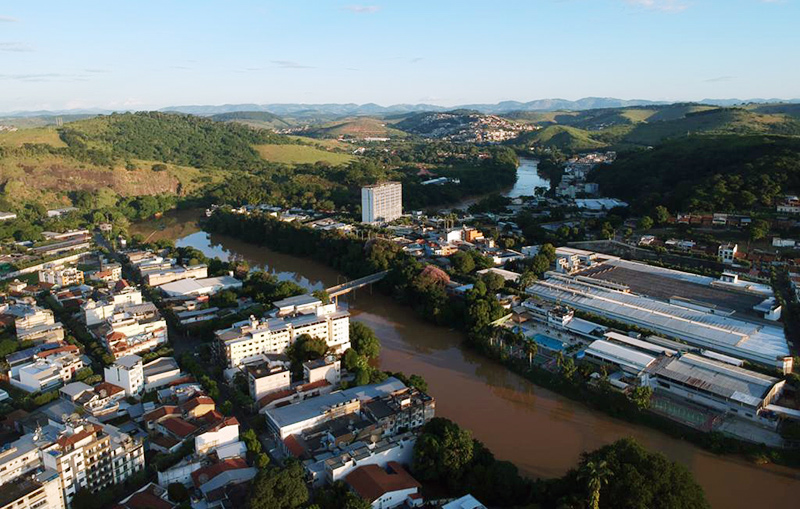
[541, 432]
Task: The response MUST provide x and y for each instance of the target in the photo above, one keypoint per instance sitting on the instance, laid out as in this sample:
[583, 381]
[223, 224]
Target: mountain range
[299, 110]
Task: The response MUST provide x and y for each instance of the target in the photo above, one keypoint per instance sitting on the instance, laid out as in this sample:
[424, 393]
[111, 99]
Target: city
[368, 279]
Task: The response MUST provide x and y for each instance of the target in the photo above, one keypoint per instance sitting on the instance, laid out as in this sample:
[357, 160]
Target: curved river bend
[538, 430]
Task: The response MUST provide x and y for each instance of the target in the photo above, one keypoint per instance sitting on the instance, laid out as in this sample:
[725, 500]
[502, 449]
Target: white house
[126, 372]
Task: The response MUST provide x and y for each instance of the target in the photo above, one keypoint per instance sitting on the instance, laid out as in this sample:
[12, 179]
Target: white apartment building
[88, 456]
[247, 341]
[381, 203]
[727, 253]
[267, 377]
[19, 457]
[48, 372]
[41, 490]
[127, 372]
[61, 276]
[34, 317]
[96, 312]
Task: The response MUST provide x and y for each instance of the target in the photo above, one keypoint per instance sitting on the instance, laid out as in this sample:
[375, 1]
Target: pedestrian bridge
[342, 289]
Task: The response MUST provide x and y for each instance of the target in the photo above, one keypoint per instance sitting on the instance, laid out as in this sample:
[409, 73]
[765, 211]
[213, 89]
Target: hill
[258, 119]
[706, 173]
[462, 126]
[301, 154]
[354, 128]
[570, 139]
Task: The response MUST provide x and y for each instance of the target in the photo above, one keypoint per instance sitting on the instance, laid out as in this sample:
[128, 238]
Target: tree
[364, 340]
[532, 348]
[759, 229]
[442, 450]
[493, 281]
[595, 475]
[641, 396]
[662, 214]
[418, 382]
[322, 295]
[645, 223]
[463, 262]
[305, 348]
[641, 479]
[279, 488]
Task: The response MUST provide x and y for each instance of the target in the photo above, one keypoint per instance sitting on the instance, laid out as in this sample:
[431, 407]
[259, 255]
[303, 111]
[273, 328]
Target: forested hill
[169, 137]
[706, 173]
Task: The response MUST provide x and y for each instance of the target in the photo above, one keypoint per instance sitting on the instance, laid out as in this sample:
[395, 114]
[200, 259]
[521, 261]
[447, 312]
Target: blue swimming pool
[549, 343]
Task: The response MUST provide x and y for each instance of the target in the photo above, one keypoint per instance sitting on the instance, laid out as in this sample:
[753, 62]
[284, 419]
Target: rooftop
[371, 481]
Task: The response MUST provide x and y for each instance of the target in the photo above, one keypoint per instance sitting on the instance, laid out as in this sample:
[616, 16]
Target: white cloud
[660, 5]
[362, 9]
[8, 19]
[290, 64]
[16, 47]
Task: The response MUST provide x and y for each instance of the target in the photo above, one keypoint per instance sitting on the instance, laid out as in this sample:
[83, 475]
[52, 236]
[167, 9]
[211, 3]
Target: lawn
[300, 154]
[46, 135]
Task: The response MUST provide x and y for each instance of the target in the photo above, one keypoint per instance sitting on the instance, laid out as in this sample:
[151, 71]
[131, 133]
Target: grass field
[44, 135]
[300, 154]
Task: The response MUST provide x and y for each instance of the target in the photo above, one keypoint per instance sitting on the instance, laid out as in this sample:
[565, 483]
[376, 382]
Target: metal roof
[621, 355]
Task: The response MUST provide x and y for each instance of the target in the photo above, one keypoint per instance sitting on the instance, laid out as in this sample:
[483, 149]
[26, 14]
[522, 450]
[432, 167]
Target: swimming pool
[549, 343]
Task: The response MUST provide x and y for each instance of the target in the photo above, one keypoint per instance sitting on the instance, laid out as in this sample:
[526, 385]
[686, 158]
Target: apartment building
[88, 456]
[41, 490]
[245, 342]
[49, 369]
[61, 276]
[175, 273]
[135, 329]
[18, 457]
[126, 372]
[381, 203]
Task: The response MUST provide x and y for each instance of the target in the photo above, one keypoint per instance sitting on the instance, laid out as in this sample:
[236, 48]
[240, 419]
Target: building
[328, 369]
[19, 457]
[49, 369]
[41, 490]
[628, 359]
[400, 411]
[86, 457]
[291, 419]
[7, 216]
[385, 488]
[381, 203]
[715, 384]
[267, 377]
[160, 372]
[126, 372]
[222, 433]
[699, 324]
[175, 273]
[61, 276]
[465, 502]
[727, 253]
[200, 286]
[397, 448]
[132, 329]
[245, 342]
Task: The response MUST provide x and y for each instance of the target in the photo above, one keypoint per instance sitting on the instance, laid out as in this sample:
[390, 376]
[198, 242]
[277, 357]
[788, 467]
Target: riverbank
[542, 432]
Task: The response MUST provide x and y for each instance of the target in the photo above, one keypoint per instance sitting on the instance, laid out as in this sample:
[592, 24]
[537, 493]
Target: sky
[149, 54]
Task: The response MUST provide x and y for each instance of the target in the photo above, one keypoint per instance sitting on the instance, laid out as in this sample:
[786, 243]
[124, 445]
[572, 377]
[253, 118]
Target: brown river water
[539, 431]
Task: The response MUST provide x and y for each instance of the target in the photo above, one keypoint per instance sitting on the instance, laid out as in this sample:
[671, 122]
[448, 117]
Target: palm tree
[532, 349]
[595, 475]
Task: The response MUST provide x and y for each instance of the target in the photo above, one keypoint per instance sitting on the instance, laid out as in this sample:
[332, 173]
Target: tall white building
[381, 203]
[127, 372]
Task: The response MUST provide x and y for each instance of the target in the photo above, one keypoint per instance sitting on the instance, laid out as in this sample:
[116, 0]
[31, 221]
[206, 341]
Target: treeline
[619, 476]
[705, 173]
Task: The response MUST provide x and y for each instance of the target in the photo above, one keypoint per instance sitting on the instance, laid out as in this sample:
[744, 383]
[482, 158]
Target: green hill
[562, 137]
[356, 128]
[258, 119]
[706, 173]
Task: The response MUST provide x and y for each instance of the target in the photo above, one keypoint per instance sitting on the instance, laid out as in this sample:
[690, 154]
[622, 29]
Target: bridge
[338, 290]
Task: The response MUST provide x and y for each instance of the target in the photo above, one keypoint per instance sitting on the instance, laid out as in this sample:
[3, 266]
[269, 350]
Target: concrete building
[381, 203]
[398, 448]
[465, 502]
[41, 490]
[160, 372]
[175, 273]
[19, 457]
[329, 369]
[49, 370]
[201, 286]
[61, 276]
[126, 372]
[245, 342]
[715, 384]
[727, 253]
[86, 457]
[267, 377]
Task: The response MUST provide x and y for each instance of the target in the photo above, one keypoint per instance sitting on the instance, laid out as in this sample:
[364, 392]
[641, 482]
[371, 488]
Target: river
[539, 431]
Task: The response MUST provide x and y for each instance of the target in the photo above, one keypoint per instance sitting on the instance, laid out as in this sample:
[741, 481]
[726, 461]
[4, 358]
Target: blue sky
[149, 54]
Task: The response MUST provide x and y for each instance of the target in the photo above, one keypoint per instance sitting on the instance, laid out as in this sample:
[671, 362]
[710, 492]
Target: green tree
[494, 282]
[463, 263]
[364, 340]
[279, 488]
[322, 295]
[305, 348]
[177, 492]
[641, 396]
[442, 451]
[532, 348]
[645, 223]
[662, 214]
[759, 229]
[595, 475]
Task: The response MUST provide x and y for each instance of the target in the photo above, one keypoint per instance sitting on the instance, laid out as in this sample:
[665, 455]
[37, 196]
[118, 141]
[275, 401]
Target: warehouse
[758, 342]
[714, 384]
[196, 287]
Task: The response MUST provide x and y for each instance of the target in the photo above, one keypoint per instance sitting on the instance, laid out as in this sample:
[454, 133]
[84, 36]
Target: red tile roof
[196, 402]
[109, 388]
[65, 348]
[372, 482]
[161, 412]
[178, 427]
[205, 474]
[294, 446]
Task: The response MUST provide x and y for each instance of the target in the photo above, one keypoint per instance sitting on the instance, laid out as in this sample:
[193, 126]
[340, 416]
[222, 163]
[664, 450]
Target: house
[150, 496]
[385, 488]
[727, 253]
[465, 502]
[61, 276]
